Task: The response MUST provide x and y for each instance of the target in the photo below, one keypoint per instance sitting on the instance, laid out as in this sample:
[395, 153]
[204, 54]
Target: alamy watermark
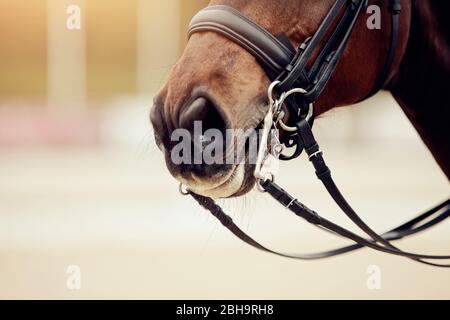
[215, 147]
[374, 277]
[73, 21]
[374, 21]
[73, 281]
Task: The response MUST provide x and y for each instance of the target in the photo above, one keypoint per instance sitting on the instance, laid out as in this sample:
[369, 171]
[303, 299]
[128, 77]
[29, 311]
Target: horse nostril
[196, 111]
[204, 111]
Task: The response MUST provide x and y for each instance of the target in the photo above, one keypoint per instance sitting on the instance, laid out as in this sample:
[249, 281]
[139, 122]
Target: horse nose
[204, 111]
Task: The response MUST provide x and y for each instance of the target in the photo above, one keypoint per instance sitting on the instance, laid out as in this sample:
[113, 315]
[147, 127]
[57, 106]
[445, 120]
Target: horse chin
[226, 187]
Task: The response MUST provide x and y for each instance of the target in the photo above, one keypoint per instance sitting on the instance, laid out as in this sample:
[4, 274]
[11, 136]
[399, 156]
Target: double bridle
[299, 82]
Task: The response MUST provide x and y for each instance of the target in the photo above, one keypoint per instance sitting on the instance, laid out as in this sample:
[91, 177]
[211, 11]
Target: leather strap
[324, 174]
[302, 211]
[377, 242]
[395, 8]
[272, 54]
[415, 226]
[330, 55]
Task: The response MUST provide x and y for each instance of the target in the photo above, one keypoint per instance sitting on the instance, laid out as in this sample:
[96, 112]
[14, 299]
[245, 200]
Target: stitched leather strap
[415, 226]
[271, 53]
[330, 56]
[395, 8]
[301, 210]
[324, 174]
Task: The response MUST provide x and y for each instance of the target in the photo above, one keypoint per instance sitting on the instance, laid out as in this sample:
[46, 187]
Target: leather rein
[300, 84]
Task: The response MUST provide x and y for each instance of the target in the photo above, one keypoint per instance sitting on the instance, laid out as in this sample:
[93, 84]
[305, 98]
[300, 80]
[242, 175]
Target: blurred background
[82, 183]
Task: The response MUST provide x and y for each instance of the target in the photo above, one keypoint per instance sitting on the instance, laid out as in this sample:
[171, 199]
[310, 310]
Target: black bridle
[290, 68]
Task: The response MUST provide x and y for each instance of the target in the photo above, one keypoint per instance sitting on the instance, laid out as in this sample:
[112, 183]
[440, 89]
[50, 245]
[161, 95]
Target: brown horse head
[221, 84]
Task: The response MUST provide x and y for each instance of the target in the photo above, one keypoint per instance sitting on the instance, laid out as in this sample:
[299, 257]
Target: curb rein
[287, 67]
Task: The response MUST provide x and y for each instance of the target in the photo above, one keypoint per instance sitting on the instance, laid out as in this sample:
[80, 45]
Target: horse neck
[421, 86]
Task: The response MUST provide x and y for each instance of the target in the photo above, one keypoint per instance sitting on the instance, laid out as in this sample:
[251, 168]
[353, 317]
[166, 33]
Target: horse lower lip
[227, 188]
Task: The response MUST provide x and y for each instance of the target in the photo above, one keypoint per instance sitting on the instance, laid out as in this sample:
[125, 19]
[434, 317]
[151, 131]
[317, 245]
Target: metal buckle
[274, 118]
[315, 154]
[183, 190]
[291, 203]
[259, 181]
[267, 126]
[281, 101]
